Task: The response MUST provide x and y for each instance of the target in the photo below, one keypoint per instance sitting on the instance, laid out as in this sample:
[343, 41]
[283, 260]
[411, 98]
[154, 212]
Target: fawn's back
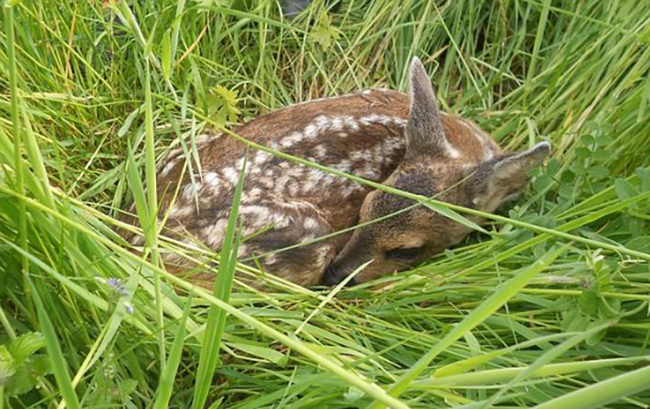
[371, 134]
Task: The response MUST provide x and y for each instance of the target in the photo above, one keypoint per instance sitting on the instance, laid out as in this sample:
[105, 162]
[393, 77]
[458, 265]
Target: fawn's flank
[379, 135]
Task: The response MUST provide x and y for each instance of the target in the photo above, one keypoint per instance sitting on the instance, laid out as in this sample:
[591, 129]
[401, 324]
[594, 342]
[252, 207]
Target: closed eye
[404, 253]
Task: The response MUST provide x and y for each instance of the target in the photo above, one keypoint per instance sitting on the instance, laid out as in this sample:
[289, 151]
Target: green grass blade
[222, 288]
[166, 386]
[16, 129]
[495, 376]
[151, 234]
[59, 364]
[602, 393]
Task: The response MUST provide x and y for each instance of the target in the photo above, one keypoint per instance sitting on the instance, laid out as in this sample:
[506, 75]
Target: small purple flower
[114, 283]
[117, 285]
[128, 307]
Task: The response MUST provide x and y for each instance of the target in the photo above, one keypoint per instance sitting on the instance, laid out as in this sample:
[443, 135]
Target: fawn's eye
[404, 253]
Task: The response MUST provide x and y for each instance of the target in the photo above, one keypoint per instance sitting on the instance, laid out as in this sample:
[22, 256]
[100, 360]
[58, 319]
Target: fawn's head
[432, 167]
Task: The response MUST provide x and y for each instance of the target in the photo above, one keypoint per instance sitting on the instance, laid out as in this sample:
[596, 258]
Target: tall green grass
[551, 308]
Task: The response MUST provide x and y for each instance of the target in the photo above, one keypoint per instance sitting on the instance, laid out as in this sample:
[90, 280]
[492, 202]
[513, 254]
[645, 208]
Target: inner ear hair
[508, 171]
[424, 132]
[521, 162]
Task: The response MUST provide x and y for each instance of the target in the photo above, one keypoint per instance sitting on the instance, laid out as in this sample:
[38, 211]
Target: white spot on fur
[367, 120]
[308, 186]
[270, 259]
[231, 175]
[243, 250]
[350, 122]
[368, 172]
[191, 189]
[311, 131]
[257, 217]
[293, 188]
[280, 184]
[349, 189]
[266, 182]
[320, 151]
[261, 157]
[258, 212]
[322, 121]
[488, 154]
[213, 235]
[291, 140]
[323, 255]
[179, 212]
[212, 180]
[337, 123]
[307, 238]
[310, 223]
[363, 156]
[168, 168]
[450, 150]
[400, 121]
[203, 138]
[343, 166]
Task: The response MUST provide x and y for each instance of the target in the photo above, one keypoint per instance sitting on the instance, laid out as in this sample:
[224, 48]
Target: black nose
[333, 276]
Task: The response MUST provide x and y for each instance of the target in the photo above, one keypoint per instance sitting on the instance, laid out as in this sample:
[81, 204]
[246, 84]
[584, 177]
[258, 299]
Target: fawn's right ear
[424, 134]
[504, 178]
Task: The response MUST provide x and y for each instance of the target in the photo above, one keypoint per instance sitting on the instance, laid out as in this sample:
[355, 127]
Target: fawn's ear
[504, 178]
[424, 132]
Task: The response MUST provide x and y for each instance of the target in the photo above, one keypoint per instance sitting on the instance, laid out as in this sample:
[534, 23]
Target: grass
[550, 308]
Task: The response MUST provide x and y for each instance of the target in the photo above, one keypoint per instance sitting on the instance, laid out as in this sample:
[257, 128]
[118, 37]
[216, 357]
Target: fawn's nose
[334, 275]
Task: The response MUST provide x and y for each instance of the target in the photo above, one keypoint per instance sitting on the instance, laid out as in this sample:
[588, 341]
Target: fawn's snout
[437, 164]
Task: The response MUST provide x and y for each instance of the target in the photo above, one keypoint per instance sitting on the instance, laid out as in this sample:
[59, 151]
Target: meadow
[549, 309]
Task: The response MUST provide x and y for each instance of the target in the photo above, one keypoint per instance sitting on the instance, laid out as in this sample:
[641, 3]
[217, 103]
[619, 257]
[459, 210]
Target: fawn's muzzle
[334, 275]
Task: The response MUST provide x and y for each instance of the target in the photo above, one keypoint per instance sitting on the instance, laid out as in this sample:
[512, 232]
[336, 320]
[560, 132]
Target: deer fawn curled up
[384, 136]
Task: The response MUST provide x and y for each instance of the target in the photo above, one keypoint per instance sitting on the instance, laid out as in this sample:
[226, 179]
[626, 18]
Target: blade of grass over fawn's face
[501, 295]
[216, 321]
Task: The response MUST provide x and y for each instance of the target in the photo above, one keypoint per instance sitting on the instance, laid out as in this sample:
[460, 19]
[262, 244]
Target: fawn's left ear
[506, 176]
[424, 133]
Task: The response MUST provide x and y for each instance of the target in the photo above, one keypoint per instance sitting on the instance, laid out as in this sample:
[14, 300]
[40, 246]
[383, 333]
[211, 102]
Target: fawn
[380, 135]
